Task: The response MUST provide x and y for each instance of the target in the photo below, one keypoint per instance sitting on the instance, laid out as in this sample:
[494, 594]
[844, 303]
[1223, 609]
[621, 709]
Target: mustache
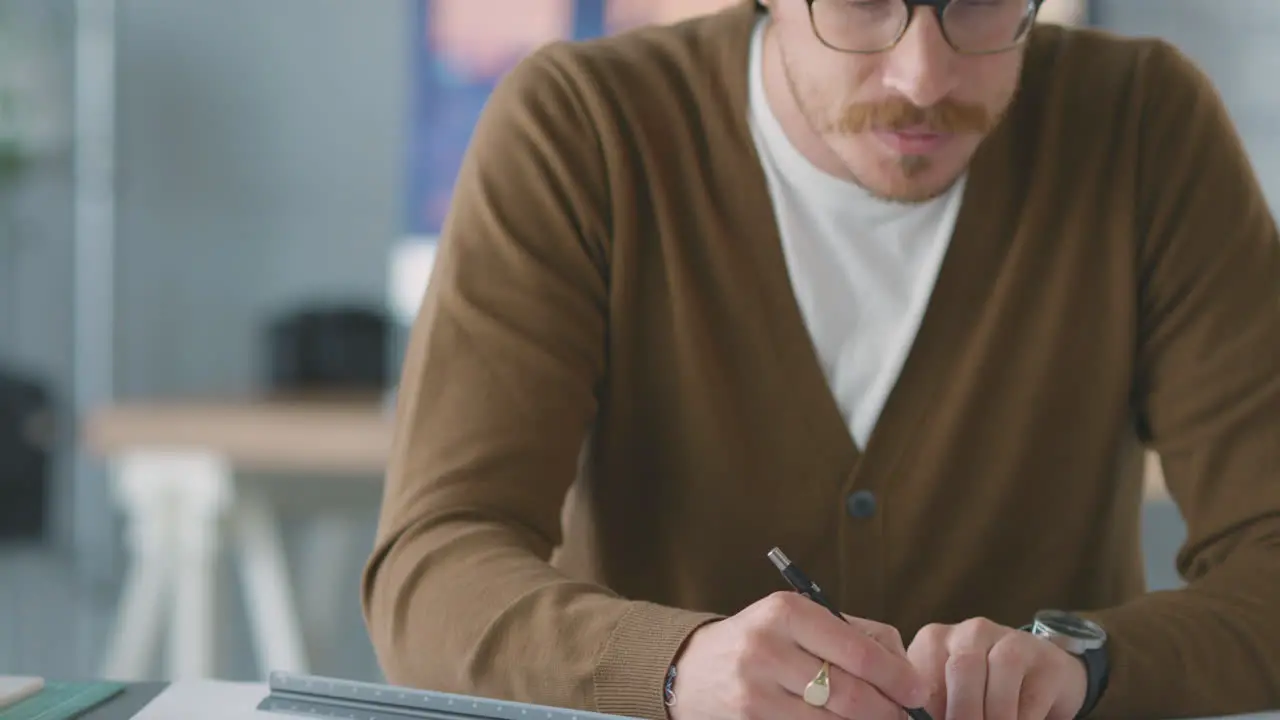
[948, 116]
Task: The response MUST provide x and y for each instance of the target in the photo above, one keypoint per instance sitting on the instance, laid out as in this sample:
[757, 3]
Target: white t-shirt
[862, 268]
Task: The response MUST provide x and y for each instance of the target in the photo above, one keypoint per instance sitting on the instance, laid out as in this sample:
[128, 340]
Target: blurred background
[216, 220]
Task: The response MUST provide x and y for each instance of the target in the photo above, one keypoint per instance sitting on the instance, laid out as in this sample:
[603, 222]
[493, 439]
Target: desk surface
[291, 436]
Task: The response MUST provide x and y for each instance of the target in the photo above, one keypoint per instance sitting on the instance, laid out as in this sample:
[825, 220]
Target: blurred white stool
[173, 467]
[181, 506]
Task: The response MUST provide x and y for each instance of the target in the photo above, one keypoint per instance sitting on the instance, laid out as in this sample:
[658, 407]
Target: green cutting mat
[62, 701]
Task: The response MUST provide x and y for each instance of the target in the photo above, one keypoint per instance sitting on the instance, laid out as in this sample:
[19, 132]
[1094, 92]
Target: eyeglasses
[970, 27]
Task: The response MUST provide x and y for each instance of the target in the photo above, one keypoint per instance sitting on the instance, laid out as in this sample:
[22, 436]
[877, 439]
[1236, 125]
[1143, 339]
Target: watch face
[1073, 626]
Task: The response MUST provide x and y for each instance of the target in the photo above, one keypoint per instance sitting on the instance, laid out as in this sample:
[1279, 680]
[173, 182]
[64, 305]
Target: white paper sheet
[208, 700]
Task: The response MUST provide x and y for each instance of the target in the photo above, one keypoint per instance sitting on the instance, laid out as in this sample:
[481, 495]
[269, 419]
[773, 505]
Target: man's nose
[921, 67]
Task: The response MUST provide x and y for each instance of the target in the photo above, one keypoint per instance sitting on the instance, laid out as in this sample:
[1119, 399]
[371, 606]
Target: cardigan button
[861, 505]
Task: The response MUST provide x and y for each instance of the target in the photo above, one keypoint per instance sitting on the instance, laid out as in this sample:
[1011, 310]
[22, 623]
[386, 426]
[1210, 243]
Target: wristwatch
[1082, 638]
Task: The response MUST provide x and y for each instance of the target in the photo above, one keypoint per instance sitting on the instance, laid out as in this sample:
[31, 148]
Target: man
[901, 288]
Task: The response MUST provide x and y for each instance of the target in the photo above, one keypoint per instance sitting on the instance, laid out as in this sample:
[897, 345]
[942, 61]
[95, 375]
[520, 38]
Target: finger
[778, 704]
[928, 653]
[1036, 699]
[886, 635]
[823, 635]
[968, 645]
[851, 698]
[966, 675]
[1007, 666]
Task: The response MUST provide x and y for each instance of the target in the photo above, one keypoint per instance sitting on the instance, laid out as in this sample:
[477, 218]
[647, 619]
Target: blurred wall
[260, 147]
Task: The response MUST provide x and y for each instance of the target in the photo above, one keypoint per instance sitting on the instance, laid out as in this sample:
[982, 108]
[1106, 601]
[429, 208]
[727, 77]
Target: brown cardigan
[610, 319]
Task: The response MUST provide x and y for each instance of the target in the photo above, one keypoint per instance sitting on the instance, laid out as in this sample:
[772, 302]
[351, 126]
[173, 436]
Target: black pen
[803, 585]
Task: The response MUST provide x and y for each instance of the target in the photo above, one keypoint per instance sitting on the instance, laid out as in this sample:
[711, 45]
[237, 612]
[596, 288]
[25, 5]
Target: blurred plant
[30, 121]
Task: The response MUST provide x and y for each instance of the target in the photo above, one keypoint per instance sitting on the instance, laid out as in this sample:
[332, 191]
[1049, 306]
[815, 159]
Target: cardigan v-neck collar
[982, 235]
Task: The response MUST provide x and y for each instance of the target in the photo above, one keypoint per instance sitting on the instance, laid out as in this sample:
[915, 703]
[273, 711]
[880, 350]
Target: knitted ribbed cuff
[1124, 695]
[632, 671]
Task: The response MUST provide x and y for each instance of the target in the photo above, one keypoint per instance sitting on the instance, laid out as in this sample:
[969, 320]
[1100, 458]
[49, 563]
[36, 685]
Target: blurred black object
[330, 349]
[26, 449]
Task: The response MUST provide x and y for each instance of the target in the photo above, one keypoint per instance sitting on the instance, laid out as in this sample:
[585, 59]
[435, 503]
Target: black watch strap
[1096, 670]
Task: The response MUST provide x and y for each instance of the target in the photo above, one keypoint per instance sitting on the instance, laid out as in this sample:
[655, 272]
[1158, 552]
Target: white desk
[173, 470]
[208, 700]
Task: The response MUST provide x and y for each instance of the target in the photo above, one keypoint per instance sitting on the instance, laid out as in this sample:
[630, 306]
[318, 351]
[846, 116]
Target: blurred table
[173, 469]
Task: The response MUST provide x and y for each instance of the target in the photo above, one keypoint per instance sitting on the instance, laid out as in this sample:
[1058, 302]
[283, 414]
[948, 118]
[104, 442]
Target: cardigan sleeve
[1207, 399]
[496, 399]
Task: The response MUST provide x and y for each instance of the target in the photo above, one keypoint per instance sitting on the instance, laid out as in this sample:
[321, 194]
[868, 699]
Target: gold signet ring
[818, 691]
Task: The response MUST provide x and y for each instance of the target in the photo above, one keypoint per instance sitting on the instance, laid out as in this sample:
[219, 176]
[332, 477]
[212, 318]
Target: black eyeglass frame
[939, 8]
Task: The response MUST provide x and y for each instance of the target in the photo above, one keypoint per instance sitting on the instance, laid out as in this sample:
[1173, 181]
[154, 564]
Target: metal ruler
[321, 697]
[62, 701]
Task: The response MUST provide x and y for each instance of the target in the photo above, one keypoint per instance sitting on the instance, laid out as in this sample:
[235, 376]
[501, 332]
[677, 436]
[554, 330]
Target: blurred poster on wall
[623, 15]
[461, 50]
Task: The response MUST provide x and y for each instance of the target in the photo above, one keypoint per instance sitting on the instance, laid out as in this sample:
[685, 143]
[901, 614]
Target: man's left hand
[983, 671]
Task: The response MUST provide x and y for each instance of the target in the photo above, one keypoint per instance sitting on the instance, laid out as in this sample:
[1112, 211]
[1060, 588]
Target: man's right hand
[756, 664]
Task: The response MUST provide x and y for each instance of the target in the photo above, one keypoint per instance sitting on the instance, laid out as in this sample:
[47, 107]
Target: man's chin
[908, 182]
[890, 174]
